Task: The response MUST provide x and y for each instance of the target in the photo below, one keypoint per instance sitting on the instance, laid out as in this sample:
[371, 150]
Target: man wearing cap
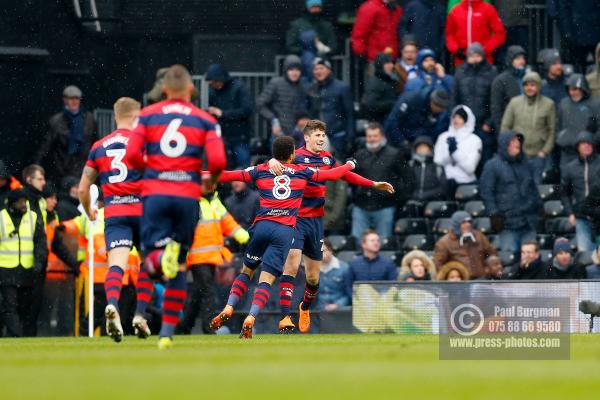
[70, 136]
[562, 265]
[430, 73]
[23, 253]
[508, 84]
[330, 100]
[534, 116]
[419, 113]
[577, 178]
[464, 244]
[509, 192]
[381, 90]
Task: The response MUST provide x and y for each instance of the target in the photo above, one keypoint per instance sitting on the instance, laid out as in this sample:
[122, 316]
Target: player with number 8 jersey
[177, 135]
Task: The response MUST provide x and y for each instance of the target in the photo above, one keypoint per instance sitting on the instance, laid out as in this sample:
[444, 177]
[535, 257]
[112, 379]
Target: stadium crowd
[495, 165]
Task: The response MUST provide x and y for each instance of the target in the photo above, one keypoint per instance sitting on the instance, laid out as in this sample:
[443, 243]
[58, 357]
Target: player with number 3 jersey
[117, 160]
[177, 134]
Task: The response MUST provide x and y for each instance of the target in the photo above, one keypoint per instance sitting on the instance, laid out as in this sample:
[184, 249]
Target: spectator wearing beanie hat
[430, 73]
[283, 97]
[553, 83]
[563, 265]
[458, 149]
[380, 91]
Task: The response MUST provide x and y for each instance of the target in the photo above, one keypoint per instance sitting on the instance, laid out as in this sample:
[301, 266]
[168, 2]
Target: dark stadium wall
[44, 46]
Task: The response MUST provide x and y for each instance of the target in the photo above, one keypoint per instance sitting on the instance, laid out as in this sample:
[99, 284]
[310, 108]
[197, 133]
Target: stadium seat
[466, 193]
[554, 208]
[507, 257]
[442, 226]
[546, 242]
[494, 240]
[417, 242]
[346, 256]
[440, 209]
[483, 224]
[411, 226]
[476, 208]
[339, 242]
[390, 254]
[559, 226]
[546, 255]
[389, 244]
[584, 258]
[548, 192]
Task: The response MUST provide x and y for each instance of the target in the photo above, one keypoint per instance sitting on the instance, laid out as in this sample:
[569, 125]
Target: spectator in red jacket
[375, 28]
[473, 21]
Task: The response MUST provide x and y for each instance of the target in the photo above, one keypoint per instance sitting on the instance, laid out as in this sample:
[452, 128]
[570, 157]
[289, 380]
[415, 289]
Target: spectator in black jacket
[429, 178]
[425, 20]
[473, 88]
[508, 84]
[576, 179]
[562, 265]
[243, 204]
[579, 24]
[68, 198]
[530, 265]
[331, 102]
[553, 84]
[231, 103]
[373, 208]
[380, 90]
[283, 97]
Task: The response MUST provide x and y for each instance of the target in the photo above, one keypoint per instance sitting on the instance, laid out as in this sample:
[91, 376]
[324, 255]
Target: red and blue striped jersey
[119, 160]
[313, 202]
[176, 133]
[281, 196]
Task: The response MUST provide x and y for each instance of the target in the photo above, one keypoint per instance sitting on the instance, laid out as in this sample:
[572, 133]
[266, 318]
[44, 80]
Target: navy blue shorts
[309, 237]
[270, 244]
[169, 217]
[122, 232]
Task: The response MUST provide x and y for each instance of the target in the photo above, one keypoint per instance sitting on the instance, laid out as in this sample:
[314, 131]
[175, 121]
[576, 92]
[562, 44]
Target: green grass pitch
[284, 367]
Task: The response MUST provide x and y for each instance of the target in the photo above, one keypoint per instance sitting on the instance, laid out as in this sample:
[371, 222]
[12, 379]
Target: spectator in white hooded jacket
[458, 150]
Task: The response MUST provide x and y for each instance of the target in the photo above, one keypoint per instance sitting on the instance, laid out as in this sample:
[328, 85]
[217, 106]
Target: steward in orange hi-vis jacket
[207, 252]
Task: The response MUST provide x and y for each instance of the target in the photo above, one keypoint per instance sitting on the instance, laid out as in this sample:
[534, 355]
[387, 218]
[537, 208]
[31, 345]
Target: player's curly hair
[283, 148]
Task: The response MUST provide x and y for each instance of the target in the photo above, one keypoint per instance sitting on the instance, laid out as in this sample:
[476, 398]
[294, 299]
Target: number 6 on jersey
[172, 142]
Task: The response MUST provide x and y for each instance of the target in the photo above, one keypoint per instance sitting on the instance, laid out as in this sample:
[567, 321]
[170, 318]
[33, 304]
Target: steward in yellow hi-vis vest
[207, 252]
[83, 225]
[23, 253]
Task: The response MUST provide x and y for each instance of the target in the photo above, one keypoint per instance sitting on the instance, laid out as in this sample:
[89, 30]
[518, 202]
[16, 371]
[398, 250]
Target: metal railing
[105, 121]
[255, 82]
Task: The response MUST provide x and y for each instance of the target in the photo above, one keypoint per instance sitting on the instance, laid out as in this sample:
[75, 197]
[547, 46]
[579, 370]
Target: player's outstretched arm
[88, 177]
[334, 173]
[239, 175]
[356, 179]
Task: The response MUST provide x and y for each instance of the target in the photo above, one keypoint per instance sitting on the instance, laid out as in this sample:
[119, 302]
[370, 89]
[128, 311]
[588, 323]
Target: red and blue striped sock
[144, 291]
[310, 293]
[286, 290]
[238, 289]
[261, 298]
[113, 284]
[175, 295]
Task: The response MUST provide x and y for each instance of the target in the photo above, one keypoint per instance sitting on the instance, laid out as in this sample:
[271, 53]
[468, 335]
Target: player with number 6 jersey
[177, 134]
[118, 161]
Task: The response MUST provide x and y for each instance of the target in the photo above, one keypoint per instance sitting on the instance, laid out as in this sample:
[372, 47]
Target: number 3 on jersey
[172, 142]
[282, 189]
[117, 163]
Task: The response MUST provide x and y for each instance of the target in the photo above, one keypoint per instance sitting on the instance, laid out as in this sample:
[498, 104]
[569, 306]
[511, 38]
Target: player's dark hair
[283, 148]
[314, 125]
[30, 170]
[533, 243]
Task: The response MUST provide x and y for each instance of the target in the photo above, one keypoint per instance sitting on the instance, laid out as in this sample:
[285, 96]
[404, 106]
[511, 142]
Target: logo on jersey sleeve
[326, 161]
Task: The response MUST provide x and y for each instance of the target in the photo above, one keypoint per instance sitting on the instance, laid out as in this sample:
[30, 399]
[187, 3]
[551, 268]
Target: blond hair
[177, 78]
[125, 107]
